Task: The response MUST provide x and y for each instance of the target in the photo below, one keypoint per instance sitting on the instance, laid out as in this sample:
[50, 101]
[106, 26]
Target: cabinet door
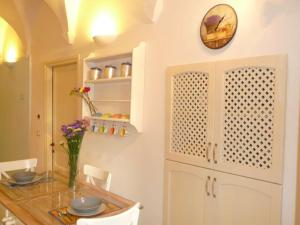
[245, 201]
[249, 124]
[186, 194]
[189, 114]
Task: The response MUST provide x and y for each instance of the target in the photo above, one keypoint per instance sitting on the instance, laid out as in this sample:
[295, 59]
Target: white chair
[129, 217]
[92, 172]
[27, 164]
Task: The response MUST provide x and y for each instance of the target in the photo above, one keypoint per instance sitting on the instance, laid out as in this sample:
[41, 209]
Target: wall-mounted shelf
[108, 119]
[118, 95]
[111, 80]
[112, 100]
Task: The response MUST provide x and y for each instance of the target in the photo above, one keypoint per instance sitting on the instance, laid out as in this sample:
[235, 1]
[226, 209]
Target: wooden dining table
[41, 203]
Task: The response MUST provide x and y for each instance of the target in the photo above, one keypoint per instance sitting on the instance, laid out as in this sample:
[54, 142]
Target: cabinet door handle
[206, 186]
[207, 151]
[214, 153]
[213, 187]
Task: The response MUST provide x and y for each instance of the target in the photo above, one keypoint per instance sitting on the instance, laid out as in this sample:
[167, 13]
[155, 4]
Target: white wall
[298, 186]
[265, 27]
[14, 111]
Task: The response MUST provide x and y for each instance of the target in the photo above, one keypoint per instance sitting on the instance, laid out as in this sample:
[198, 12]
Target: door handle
[207, 151]
[213, 187]
[214, 153]
[206, 186]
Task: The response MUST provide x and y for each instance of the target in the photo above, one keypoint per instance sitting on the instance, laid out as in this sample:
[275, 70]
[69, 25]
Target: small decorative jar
[125, 69]
[110, 71]
[95, 73]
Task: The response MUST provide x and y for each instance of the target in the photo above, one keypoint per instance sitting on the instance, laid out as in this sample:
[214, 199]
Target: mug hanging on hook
[122, 131]
[95, 128]
[103, 129]
[112, 130]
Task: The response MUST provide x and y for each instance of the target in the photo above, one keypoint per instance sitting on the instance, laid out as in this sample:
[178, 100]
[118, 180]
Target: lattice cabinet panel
[251, 120]
[249, 114]
[228, 116]
[188, 114]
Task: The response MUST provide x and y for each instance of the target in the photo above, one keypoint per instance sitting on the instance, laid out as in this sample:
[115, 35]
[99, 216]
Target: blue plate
[34, 180]
[24, 176]
[86, 204]
[96, 212]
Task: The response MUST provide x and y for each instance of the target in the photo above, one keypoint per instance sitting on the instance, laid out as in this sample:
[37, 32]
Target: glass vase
[73, 148]
[73, 160]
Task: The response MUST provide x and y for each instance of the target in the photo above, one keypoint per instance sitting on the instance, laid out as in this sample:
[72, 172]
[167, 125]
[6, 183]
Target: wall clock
[218, 26]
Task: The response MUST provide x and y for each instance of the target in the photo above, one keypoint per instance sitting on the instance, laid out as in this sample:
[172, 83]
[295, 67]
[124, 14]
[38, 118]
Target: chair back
[128, 217]
[27, 164]
[92, 172]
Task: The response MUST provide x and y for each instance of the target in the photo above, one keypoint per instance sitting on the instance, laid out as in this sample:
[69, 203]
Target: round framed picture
[218, 26]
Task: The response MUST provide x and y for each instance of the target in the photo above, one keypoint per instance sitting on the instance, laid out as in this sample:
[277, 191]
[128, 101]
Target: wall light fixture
[104, 28]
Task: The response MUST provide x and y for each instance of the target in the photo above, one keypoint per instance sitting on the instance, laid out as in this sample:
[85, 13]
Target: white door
[249, 124]
[190, 113]
[186, 194]
[66, 108]
[245, 201]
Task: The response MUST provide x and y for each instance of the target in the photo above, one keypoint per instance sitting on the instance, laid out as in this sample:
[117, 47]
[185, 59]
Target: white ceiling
[34, 19]
[58, 7]
[130, 12]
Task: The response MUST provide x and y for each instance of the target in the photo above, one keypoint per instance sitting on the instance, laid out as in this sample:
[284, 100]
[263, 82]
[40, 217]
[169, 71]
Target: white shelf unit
[109, 119]
[112, 80]
[118, 95]
[113, 100]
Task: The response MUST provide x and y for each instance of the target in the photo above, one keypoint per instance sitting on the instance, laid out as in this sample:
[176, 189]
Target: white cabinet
[186, 194]
[119, 95]
[249, 124]
[225, 121]
[245, 201]
[228, 116]
[198, 196]
[189, 114]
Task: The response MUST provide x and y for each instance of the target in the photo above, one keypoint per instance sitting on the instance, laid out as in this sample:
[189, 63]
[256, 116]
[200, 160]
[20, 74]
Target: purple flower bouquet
[74, 134]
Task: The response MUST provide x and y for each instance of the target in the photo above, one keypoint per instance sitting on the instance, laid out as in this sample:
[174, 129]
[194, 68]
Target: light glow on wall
[72, 9]
[3, 26]
[11, 47]
[11, 54]
[104, 25]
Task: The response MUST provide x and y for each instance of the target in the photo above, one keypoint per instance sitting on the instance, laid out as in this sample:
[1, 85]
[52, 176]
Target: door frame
[47, 122]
